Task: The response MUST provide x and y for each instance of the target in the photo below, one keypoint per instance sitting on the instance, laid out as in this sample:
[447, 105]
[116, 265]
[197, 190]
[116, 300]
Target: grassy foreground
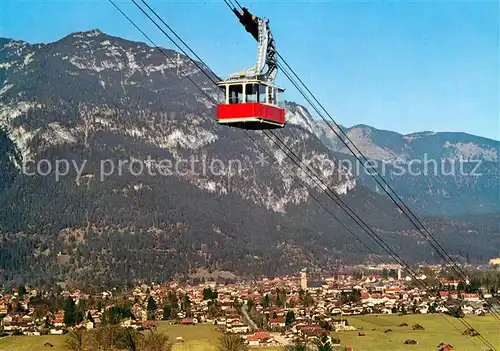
[437, 329]
[28, 343]
[201, 337]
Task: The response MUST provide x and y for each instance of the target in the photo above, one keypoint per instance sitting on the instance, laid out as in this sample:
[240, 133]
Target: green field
[28, 343]
[437, 329]
[202, 337]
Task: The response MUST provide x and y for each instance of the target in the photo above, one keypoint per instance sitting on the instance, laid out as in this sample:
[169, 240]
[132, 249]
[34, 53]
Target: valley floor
[437, 329]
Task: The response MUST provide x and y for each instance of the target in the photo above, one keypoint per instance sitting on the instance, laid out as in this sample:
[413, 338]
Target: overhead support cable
[463, 322]
[379, 179]
[180, 39]
[412, 217]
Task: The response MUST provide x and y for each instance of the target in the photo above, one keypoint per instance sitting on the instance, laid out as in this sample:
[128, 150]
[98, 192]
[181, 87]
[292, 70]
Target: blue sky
[402, 66]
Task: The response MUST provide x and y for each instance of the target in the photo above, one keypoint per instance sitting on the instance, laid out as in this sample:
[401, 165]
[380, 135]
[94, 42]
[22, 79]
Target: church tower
[303, 279]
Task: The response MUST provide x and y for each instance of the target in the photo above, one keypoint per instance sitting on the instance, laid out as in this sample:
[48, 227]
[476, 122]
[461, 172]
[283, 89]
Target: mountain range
[445, 173]
[106, 107]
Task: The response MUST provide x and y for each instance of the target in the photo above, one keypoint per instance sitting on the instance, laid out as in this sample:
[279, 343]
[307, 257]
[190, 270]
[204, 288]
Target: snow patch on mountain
[298, 115]
[132, 64]
[58, 134]
[345, 186]
[53, 133]
[201, 138]
[16, 46]
[328, 172]
[8, 112]
[470, 151]
[28, 58]
[83, 64]
[19, 135]
[326, 133]
[205, 102]
[22, 138]
[5, 88]
[159, 68]
[89, 34]
[6, 65]
[211, 186]
[113, 51]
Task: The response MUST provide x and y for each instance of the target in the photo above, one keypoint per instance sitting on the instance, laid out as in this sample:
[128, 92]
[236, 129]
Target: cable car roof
[248, 81]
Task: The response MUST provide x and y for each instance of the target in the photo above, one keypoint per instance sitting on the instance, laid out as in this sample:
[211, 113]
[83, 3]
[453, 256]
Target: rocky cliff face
[88, 84]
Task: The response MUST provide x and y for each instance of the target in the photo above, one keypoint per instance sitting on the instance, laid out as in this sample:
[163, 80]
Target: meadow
[202, 337]
[28, 343]
[437, 329]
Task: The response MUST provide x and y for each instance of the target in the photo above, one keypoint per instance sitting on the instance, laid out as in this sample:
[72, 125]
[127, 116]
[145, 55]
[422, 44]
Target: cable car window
[236, 94]
[251, 91]
[272, 96]
[278, 100]
[262, 94]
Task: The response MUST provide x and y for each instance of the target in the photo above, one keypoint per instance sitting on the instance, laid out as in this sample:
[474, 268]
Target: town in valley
[266, 312]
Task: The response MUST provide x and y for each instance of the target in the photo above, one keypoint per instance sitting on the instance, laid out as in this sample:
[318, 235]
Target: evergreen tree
[323, 344]
[187, 303]
[69, 312]
[290, 317]
[280, 298]
[151, 308]
[20, 292]
[167, 312]
[151, 304]
[47, 323]
[266, 302]
[209, 294]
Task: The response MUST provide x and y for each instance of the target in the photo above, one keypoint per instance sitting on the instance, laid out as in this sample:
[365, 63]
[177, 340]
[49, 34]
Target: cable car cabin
[250, 104]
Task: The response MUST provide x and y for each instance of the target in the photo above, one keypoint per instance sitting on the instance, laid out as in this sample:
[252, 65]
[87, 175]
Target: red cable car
[251, 104]
[251, 98]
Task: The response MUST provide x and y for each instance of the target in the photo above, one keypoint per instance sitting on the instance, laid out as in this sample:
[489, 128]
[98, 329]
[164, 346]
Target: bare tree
[231, 342]
[103, 338]
[129, 339]
[76, 340]
[156, 341]
[299, 345]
